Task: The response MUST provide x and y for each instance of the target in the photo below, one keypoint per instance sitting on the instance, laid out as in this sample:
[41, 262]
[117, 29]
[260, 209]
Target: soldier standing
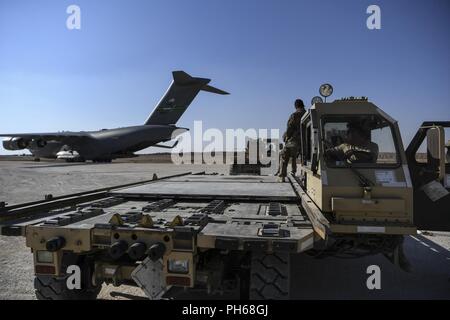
[291, 139]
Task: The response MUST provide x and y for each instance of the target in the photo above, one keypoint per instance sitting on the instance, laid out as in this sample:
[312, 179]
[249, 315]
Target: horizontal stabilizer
[166, 147]
[213, 90]
[183, 79]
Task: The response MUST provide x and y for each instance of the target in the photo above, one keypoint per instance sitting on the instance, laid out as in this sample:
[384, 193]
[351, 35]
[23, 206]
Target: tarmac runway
[328, 278]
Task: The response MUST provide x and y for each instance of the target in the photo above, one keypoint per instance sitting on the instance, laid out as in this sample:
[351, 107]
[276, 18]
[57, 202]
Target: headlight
[44, 257]
[316, 99]
[178, 266]
[326, 90]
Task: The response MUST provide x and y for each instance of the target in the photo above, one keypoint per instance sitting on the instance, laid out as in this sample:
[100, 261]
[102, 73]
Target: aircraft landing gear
[102, 160]
[75, 160]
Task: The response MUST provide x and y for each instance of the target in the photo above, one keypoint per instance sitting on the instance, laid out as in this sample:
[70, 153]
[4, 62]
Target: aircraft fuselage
[110, 143]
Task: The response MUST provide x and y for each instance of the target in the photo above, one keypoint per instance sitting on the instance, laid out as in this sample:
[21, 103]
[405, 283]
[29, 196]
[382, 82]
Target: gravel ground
[330, 278]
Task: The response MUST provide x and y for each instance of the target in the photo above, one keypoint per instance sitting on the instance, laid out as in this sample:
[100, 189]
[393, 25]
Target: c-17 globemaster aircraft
[108, 144]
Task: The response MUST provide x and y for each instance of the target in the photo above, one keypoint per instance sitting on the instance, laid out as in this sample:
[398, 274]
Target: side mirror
[436, 149]
[314, 163]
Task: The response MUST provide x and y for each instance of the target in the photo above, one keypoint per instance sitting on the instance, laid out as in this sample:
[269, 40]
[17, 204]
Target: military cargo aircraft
[108, 144]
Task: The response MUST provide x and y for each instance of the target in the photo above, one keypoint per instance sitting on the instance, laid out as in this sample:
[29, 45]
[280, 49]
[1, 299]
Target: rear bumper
[372, 229]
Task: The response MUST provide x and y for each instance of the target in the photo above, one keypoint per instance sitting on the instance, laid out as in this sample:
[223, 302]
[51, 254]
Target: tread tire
[52, 288]
[269, 276]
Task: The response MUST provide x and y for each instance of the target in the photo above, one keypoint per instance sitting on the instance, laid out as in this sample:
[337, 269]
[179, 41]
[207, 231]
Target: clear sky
[114, 70]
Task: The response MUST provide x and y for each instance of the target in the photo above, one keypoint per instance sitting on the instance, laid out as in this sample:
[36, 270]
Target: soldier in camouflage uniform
[291, 139]
[357, 149]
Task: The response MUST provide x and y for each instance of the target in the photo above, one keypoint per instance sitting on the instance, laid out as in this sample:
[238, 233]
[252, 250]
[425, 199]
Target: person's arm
[335, 153]
[290, 128]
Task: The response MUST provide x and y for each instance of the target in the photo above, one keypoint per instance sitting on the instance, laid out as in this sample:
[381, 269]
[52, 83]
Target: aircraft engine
[15, 144]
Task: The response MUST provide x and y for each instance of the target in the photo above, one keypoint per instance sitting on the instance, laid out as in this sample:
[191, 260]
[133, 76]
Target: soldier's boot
[294, 166]
[283, 171]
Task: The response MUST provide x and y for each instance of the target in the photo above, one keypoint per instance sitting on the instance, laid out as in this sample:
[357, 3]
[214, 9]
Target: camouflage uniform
[292, 142]
[367, 153]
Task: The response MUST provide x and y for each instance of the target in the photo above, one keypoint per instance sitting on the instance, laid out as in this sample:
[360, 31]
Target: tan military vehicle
[357, 192]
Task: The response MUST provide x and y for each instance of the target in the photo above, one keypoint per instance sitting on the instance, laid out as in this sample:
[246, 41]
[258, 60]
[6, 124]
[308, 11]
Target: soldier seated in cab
[357, 147]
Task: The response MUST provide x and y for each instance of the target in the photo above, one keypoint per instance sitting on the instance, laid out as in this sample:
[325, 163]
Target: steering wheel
[358, 156]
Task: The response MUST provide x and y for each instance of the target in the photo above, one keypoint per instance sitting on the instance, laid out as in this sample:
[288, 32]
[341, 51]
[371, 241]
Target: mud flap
[150, 278]
[398, 257]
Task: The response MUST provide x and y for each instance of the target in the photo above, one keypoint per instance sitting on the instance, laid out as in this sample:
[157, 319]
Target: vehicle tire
[48, 287]
[53, 288]
[269, 276]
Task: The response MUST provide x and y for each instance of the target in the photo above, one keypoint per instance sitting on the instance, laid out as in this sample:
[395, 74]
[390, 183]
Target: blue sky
[265, 53]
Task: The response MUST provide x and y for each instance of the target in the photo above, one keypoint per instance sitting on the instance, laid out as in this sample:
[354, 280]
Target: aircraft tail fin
[182, 91]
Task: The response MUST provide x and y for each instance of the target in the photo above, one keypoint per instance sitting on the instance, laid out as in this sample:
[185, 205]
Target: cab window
[306, 142]
[361, 141]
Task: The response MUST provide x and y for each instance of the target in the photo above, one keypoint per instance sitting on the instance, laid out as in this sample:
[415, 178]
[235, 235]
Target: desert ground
[330, 278]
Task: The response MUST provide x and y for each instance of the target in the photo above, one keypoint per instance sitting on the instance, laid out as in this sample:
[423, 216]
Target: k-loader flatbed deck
[193, 230]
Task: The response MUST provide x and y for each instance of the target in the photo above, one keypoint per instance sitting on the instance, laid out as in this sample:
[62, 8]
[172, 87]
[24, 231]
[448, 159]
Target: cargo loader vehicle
[219, 233]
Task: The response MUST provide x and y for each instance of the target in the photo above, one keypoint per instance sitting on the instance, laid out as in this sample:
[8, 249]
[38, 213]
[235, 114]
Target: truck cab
[356, 173]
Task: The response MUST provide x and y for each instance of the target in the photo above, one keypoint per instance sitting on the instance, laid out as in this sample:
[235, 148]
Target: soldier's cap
[299, 103]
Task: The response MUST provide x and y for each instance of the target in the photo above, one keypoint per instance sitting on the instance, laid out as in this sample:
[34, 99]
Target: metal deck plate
[214, 187]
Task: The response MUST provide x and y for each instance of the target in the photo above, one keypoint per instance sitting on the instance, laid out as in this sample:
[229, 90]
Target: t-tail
[182, 91]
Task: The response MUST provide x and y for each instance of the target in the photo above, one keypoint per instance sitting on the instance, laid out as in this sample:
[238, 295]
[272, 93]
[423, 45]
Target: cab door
[428, 158]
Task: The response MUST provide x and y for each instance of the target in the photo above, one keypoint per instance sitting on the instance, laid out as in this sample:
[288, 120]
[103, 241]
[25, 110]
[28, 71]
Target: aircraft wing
[47, 136]
[64, 137]
[182, 91]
